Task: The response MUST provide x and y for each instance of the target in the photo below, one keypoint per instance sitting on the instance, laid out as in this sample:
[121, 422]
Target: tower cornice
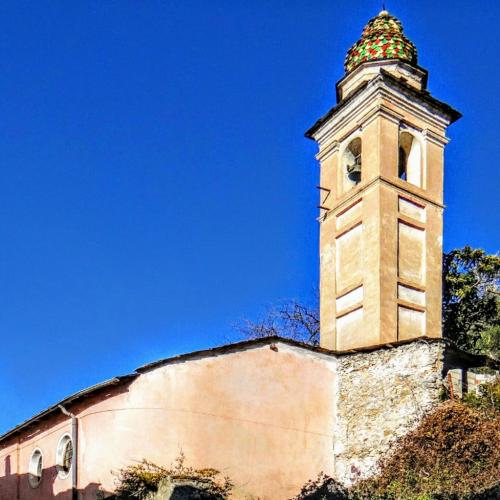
[418, 101]
[411, 73]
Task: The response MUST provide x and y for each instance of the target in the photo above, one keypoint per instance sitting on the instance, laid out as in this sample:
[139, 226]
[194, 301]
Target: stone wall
[184, 490]
[381, 395]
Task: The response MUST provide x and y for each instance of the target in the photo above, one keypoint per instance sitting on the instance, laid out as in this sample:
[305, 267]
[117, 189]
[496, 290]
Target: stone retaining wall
[381, 395]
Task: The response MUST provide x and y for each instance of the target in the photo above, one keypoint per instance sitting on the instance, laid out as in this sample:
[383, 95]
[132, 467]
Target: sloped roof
[204, 353]
[77, 396]
[125, 379]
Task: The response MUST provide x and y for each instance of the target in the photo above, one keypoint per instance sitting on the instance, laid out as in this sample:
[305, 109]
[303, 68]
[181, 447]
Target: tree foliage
[471, 300]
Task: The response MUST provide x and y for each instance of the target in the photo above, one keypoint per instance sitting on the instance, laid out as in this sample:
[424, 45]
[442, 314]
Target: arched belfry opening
[351, 164]
[410, 159]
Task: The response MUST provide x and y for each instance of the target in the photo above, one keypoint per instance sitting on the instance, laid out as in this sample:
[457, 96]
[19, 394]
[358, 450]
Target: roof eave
[67, 401]
[216, 351]
[452, 114]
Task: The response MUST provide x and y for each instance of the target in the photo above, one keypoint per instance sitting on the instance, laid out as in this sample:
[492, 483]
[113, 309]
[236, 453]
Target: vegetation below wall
[452, 454]
[142, 481]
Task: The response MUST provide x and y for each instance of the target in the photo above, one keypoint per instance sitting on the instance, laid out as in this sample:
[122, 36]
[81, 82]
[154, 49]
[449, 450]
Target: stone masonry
[380, 396]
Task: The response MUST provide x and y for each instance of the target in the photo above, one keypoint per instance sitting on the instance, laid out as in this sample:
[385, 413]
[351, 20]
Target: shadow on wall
[17, 487]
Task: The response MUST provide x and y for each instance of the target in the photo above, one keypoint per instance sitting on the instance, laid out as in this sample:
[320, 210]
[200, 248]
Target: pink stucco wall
[14, 461]
[262, 417]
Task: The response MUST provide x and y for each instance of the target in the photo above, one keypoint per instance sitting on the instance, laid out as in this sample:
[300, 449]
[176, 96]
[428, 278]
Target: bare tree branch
[291, 320]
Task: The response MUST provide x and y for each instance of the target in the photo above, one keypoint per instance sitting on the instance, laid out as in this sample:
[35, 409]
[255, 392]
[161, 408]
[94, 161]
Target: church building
[273, 413]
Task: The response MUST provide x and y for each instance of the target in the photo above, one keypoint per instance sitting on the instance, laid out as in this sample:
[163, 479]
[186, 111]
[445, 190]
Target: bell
[354, 170]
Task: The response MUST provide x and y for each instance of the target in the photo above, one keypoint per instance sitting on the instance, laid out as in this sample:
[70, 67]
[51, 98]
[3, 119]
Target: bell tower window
[351, 164]
[410, 159]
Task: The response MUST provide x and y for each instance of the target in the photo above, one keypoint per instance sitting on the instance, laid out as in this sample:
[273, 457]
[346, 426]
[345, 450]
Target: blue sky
[155, 183]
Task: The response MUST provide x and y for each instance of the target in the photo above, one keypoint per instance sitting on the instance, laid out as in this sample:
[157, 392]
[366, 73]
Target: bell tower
[381, 154]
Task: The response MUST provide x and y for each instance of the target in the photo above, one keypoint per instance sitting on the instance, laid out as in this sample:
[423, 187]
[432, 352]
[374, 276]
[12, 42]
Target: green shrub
[488, 397]
[452, 454]
[323, 487]
[138, 481]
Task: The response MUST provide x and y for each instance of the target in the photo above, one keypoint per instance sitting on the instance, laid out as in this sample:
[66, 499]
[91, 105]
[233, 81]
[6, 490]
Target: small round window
[35, 468]
[64, 456]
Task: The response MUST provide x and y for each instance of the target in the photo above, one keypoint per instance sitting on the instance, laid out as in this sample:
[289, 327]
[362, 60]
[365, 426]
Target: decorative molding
[349, 310]
[378, 88]
[348, 289]
[411, 200]
[328, 150]
[414, 106]
[410, 221]
[353, 204]
[381, 110]
[356, 129]
[411, 305]
[431, 136]
[404, 187]
[412, 193]
[417, 74]
[349, 227]
[411, 284]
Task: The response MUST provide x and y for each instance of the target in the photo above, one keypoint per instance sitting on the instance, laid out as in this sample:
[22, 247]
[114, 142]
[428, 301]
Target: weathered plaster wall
[262, 416]
[380, 396]
[44, 436]
[8, 466]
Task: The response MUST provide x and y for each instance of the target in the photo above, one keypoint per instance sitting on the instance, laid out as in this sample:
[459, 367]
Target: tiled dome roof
[382, 38]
